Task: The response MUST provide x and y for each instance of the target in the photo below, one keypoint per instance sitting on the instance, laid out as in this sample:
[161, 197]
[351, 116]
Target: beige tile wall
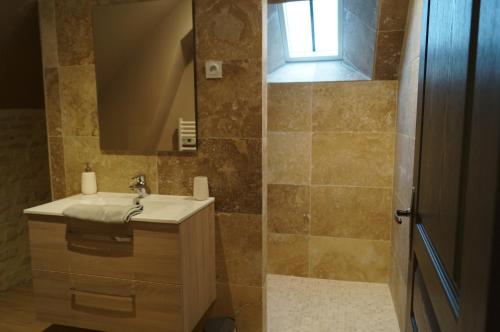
[390, 33]
[230, 119]
[405, 146]
[373, 36]
[331, 161]
[359, 34]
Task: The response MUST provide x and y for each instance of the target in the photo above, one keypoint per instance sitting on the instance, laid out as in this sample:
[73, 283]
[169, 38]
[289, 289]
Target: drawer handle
[100, 250]
[100, 238]
[103, 304]
[108, 246]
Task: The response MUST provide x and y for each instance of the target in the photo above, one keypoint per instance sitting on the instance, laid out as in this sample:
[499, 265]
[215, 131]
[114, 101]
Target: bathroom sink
[111, 277]
[157, 208]
[103, 199]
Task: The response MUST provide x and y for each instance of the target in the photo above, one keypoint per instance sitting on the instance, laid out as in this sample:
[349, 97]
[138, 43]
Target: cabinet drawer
[124, 251]
[107, 304]
[48, 246]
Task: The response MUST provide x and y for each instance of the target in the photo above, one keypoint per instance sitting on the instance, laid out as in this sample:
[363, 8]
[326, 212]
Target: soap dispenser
[89, 182]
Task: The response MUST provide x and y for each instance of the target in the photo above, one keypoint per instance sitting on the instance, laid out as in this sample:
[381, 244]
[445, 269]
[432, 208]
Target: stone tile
[353, 159]
[366, 10]
[411, 47]
[78, 101]
[24, 173]
[405, 145]
[389, 44]
[288, 209]
[313, 72]
[57, 171]
[349, 259]
[354, 106]
[113, 171]
[231, 107]
[408, 98]
[288, 254]
[176, 173]
[315, 305]
[335, 71]
[289, 107]
[398, 287]
[233, 168]
[403, 168]
[265, 102]
[52, 102]
[244, 303]
[48, 34]
[393, 15]
[301, 72]
[239, 248]
[359, 43]
[228, 30]
[289, 158]
[361, 213]
[276, 56]
[74, 32]
[400, 239]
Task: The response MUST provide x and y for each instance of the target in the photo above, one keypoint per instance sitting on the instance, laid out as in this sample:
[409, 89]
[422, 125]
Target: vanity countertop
[157, 208]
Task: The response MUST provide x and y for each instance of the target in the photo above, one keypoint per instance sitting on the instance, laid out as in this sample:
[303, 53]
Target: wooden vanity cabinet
[131, 277]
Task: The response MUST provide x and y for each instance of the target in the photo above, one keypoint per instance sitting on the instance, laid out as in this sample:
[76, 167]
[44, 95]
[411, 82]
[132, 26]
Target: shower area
[339, 138]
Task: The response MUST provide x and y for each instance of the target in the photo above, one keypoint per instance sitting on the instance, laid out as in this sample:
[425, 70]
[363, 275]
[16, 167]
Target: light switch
[213, 69]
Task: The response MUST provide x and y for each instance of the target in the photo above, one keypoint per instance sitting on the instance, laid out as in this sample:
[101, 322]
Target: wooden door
[453, 274]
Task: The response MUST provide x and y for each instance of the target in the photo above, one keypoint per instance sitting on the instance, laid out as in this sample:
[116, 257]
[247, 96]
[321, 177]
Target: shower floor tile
[317, 305]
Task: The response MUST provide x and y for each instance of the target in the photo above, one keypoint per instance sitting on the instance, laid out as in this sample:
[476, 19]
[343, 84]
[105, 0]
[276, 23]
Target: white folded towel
[113, 214]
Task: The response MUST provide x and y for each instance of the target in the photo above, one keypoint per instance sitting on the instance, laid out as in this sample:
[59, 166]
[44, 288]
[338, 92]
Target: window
[312, 29]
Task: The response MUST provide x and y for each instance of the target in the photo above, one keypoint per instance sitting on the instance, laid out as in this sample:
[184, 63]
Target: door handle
[399, 214]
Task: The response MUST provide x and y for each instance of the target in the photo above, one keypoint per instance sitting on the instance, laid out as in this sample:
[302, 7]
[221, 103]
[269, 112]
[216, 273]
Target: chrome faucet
[140, 187]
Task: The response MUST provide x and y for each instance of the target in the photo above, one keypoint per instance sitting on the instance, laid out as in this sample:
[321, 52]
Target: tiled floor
[315, 305]
[293, 304]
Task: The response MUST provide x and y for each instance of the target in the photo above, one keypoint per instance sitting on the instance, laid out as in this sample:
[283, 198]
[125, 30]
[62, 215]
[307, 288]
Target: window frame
[281, 14]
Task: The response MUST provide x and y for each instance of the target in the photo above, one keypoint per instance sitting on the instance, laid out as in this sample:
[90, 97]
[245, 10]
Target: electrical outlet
[213, 69]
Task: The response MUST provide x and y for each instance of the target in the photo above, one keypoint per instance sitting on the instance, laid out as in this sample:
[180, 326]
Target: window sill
[320, 71]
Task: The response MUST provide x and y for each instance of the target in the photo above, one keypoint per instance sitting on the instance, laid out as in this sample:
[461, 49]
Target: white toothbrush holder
[200, 188]
[89, 181]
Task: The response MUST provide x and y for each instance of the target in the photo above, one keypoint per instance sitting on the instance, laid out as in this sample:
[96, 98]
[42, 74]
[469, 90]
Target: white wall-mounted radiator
[187, 135]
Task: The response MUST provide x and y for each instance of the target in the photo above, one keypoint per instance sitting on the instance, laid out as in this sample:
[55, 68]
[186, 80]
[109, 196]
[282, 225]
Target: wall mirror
[145, 72]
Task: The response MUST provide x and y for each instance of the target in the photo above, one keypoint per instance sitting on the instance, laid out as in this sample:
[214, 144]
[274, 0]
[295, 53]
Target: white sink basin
[157, 208]
[101, 199]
